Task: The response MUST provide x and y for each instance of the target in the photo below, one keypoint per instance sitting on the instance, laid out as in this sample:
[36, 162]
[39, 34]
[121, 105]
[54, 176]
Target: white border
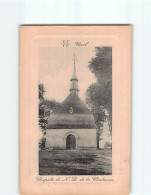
[15, 13]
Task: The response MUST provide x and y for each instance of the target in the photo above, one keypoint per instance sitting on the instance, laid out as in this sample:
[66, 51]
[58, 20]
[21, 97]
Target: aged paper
[75, 110]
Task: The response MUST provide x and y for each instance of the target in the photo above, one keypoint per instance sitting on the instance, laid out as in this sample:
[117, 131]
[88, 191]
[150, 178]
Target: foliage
[101, 65]
[45, 108]
[42, 142]
[43, 119]
[99, 94]
[41, 91]
[51, 104]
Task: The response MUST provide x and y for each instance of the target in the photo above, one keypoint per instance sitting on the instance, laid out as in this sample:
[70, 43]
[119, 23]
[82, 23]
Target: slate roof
[71, 121]
[72, 113]
[72, 101]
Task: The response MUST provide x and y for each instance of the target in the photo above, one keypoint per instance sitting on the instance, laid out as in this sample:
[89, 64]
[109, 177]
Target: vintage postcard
[75, 110]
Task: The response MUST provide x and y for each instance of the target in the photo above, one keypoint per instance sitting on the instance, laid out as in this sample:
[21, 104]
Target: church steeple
[74, 80]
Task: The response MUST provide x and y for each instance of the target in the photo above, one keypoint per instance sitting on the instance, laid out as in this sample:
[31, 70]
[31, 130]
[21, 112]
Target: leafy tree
[43, 118]
[45, 108]
[51, 104]
[99, 94]
[42, 142]
[41, 91]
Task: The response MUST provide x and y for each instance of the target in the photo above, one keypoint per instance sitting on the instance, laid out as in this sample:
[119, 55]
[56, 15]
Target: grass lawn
[75, 162]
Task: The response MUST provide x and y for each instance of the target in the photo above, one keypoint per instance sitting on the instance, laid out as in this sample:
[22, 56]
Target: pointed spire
[74, 86]
[74, 76]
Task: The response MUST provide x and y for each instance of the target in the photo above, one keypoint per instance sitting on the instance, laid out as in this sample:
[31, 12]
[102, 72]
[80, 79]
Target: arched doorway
[70, 142]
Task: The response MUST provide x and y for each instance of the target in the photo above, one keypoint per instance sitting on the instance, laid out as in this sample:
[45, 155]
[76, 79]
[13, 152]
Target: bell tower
[74, 80]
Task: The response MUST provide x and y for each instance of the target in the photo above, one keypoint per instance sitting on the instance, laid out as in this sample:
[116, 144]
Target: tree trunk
[97, 139]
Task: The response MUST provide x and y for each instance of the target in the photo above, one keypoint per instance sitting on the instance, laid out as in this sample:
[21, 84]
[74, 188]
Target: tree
[51, 104]
[93, 94]
[45, 108]
[99, 94]
[41, 91]
[43, 118]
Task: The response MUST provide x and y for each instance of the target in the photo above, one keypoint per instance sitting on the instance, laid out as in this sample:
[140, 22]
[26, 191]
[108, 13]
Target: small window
[71, 110]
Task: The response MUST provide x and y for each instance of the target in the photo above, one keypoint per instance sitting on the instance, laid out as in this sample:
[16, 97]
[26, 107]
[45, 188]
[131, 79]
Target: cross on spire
[74, 58]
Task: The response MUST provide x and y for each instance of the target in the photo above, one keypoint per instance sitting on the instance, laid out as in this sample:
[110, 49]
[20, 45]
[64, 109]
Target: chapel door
[70, 142]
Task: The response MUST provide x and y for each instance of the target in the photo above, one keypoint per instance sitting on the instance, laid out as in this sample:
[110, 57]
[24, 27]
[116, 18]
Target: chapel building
[71, 125]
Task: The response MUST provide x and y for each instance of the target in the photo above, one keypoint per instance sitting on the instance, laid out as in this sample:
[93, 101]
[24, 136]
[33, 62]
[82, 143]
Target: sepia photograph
[75, 109]
[75, 105]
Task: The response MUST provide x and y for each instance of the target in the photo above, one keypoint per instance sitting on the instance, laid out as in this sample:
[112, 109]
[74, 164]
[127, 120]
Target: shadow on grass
[75, 162]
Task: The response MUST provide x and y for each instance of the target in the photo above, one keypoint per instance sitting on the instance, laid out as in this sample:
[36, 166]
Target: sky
[56, 68]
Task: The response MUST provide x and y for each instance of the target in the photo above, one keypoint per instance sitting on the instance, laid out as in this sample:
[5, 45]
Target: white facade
[57, 138]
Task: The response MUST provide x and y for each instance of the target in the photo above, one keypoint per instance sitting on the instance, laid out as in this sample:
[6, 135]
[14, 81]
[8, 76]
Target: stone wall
[56, 138]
